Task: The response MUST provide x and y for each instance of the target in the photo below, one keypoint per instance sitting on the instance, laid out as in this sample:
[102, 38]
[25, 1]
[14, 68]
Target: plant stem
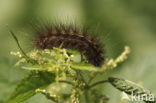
[82, 59]
[82, 77]
[79, 73]
[18, 44]
[68, 82]
[91, 78]
[97, 83]
[86, 96]
[13, 35]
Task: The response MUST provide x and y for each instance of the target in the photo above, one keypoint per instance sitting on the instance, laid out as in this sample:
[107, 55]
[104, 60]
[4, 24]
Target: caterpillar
[70, 37]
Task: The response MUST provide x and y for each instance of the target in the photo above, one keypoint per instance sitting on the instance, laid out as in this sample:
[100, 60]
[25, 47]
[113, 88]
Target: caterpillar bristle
[70, 37]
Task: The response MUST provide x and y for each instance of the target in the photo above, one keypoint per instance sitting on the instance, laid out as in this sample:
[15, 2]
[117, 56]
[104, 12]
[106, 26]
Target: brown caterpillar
[71, 38]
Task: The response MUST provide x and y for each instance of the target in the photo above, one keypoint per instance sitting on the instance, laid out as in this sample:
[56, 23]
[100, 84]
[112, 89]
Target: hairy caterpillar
[71, 38]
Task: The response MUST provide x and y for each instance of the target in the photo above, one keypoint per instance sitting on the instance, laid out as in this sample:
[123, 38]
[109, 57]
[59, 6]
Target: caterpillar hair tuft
[70, 37]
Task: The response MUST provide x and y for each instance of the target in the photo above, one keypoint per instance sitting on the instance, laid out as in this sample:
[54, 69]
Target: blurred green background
[116, 22]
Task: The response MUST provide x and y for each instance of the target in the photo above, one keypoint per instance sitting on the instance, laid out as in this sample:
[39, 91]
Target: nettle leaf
[29, 84]
[132, 88]
[84, 66]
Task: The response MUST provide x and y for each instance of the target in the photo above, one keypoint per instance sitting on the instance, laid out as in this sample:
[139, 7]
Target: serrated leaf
[29, 84]
[84, 66]
[130, 88]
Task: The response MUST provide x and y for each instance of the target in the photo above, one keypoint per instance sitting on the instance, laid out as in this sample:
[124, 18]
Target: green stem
[68, 82]
[82, 77]
[79, 74]
[13, 35]
[82, 59]
[91, 78]
[86, 96]
[97, 83]
[18, 44]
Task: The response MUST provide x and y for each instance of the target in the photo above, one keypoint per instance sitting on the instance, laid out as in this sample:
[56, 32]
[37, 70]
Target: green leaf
[29, 84]
[84, 66]
[130, 88]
